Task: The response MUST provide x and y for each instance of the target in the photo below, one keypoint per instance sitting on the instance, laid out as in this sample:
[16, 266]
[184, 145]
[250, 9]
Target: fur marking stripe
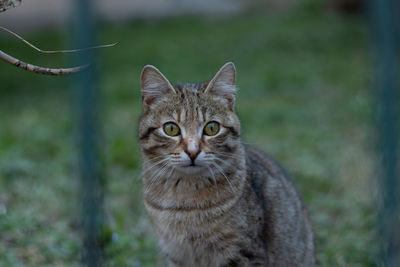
[147, 133]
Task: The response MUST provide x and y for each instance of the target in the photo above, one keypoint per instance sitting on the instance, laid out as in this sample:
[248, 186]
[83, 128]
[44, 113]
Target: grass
[304, 97]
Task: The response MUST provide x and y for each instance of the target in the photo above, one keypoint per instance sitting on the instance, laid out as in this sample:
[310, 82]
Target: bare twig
[41, 70]
[55, 51]
[6, 4]
[37, 69]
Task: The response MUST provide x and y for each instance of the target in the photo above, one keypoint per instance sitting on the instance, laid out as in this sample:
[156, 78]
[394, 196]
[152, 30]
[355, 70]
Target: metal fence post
[385, 23]
[88, 94]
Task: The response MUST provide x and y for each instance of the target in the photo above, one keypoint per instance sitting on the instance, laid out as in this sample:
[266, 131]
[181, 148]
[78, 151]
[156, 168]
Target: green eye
[171, 129]
[212, 128]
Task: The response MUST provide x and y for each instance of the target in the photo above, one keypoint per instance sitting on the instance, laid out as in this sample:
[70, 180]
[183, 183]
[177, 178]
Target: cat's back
[286, 229]
[267, 177]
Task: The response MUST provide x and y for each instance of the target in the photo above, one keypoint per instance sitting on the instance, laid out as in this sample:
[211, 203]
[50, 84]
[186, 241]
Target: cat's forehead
[190, 100]
[190, 87]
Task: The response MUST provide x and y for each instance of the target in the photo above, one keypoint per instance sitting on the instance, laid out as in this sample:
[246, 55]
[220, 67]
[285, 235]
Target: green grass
[304, 97]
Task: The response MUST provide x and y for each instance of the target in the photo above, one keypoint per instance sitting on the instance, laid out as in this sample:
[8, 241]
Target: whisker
[154, 165]
[222, 153]
[233, 166]
[214, 179]
[161, 171]
[227, 155]
[170, 173]
[223, 173]
[154, 178]
[167, 181]
[224, 162]
[212, 174]
[153, 158]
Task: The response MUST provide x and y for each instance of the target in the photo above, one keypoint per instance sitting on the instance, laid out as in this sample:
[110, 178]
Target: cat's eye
[171, 129]
[212, 128]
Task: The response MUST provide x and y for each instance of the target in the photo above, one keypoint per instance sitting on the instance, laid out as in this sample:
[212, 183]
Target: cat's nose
[192, 149]
[192, 154]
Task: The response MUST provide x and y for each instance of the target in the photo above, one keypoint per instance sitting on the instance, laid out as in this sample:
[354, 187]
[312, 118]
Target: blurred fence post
[88, 96]
[385, 23]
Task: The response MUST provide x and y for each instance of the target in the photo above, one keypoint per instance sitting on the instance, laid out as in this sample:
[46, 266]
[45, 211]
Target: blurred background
[305, 77]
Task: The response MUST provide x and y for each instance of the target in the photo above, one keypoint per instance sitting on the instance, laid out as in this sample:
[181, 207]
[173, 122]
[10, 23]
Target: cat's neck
[180, 191]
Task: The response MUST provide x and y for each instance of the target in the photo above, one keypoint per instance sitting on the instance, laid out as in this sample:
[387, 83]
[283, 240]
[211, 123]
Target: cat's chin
[192, 169]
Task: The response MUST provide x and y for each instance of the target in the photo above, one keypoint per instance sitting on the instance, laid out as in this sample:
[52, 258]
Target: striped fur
[236, 207]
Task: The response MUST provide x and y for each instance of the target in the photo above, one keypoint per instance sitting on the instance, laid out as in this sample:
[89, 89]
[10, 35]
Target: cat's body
[213, 201]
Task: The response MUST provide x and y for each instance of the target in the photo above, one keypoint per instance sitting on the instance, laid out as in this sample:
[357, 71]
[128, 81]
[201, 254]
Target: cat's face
[190, 128]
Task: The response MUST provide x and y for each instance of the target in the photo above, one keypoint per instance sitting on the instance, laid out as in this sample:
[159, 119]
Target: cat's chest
[191, 218]
[188, 237]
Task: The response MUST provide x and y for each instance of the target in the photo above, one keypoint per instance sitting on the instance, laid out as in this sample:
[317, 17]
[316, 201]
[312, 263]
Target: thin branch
[55, 51]
[6, 4]
[37, 69]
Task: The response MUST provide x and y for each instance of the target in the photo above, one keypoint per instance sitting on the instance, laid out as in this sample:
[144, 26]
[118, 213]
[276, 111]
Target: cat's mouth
[192, 168]
[192, 165]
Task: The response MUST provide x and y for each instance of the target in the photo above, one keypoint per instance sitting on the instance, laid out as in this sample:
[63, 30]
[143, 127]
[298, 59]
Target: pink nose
[192, 149]
[192, 154]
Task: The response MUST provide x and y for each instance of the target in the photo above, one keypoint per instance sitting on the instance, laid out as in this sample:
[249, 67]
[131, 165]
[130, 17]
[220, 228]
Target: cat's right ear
[154, 85]
[223, 85]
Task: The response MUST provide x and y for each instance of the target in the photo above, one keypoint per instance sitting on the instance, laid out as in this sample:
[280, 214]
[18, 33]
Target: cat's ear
[224, 84]
[154, 85]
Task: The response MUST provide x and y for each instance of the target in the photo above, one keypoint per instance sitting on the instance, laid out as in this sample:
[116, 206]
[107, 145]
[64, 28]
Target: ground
[304, 96]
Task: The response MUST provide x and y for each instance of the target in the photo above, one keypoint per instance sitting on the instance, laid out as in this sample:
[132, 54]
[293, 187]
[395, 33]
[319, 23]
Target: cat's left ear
[223, 84]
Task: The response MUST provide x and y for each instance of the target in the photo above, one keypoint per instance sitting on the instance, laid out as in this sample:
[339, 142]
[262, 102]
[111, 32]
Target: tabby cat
[212, 200]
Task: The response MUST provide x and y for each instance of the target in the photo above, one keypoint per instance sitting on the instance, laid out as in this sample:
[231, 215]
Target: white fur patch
[223, 88]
